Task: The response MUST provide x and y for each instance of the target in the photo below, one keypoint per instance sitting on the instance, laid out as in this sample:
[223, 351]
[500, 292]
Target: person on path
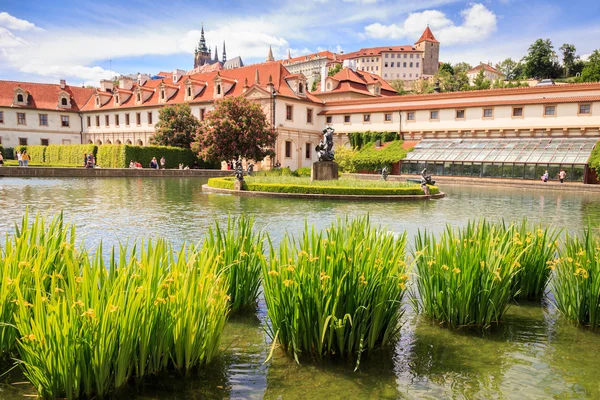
[153, 163]
[1, 160]
[25, 158]
[545, 176]
[90, 161]
[19, 159]
[562, 175]
[85, 159]
[163, 162]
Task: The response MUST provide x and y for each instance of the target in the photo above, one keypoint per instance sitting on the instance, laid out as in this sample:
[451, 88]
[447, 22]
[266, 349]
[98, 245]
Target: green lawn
[342, 182]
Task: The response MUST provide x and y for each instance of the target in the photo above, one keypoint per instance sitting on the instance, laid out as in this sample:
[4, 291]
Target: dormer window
[139, 97]
[98, 101]
[19, 98]
[189, 90]
[117, 99]
[162, 94]
[63, 101]
[300, 88]
[219, 89]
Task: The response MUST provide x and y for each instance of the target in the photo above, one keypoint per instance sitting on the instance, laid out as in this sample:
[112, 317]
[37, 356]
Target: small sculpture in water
[325, 147]
[238, 169]
[384, 173]
[426, 178]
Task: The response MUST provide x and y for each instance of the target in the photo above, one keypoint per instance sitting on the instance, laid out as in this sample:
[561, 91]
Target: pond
[535, 353]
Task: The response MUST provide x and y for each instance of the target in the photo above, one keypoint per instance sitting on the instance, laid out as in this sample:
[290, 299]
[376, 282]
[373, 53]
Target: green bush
[304, 171]
[371, 158]
[119, 156]
[345, 159]
[7, 152]
[360, 139]
[276, 172]
[111, 156]
[68, 154]
[227, 183]
[36, 153]
[594, 162]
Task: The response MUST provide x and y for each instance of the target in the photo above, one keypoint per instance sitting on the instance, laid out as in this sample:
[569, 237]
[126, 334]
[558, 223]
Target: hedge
[36, 153]
[119, 156]
[227, 183]
[373, 158]
[360, 139]
[111, 156]
[68, 154]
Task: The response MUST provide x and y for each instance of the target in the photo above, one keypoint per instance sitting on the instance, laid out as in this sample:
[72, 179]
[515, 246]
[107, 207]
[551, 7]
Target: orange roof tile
[44, 95]
[427, 36]
[377, 51]
[486, 67]
[321, 54]
[357, 82]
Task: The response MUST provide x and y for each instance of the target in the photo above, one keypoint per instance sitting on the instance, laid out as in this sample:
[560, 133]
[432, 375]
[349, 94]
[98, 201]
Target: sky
[84, 41]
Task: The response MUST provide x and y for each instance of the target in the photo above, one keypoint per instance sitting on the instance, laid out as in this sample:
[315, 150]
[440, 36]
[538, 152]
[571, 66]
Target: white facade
[38, 127]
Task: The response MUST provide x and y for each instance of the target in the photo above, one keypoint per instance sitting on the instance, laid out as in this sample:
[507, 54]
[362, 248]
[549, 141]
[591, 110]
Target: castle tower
[270, 56]
[202, 53]
[431, 52]
[216, 54]
[224, 53]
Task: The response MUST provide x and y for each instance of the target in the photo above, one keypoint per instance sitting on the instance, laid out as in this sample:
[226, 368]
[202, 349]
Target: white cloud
[478, 24]
[10, 22]
[8, 39]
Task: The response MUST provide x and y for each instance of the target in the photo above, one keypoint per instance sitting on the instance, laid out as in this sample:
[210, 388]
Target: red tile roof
[427, 36]
[376, 51]
[486, 67]
[321, 54]
[357, 82]
[43, 95]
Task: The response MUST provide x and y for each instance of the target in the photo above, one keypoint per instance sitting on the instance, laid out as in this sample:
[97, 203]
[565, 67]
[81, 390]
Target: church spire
[202, 44]
[216, 54]
[224, 53]
[289, 54]
[270, 56]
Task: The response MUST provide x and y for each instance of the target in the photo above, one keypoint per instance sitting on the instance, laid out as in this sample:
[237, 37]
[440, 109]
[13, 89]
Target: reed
[86, 326]
[335, 292]
[464, 278]
[576, 283]
[238, 249]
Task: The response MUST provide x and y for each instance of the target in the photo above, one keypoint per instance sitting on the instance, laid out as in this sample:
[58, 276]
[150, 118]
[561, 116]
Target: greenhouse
[525, 158]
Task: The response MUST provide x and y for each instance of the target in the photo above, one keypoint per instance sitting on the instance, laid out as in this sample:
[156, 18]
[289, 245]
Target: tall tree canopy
[539, 61]
[591, 71]
[176, 126]
[237, 127]
[509, 68]
[569, 58]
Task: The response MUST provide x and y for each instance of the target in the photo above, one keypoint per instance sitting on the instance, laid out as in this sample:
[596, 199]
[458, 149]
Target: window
[307, 151]
[300, 88]
[288, 149]
[460, 114]
[116, 119]
[149, 117]
[329, 119]
[417, 65]
[385, 75]
[410, 116]
[386, 56]
[411, 56]
[386, 64]
[411, 65]
[434, 115]
[391, 65]
[21, 119]
[162, 94]
[219, 89]
[89, 121]
[138, 119]
[289, 112]
[585, 109]
[377, 68]
[117, 99]
[410, 75]
[549, 110]
[346, 119]
[404, 64]
[107, 120]
[127, 119]
[394, 55]
[202, 113]
[404, 75]
[43, 119]
[189, 91]
[366, 117]
[64, 120]
[19, 98]
[488, 113]
[45, 142]
[64, 103]
[22, 141]
[405, 56]
[139, 97]
[517, 112]
[309, 115]
[1, 117]
[97, 121]
[387, 117]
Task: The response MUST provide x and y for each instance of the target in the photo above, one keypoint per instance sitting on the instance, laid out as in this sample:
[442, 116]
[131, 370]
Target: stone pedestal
[237, 185]
[324, 171]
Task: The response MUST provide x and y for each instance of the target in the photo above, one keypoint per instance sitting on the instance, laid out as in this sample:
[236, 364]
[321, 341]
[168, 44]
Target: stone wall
[44, 172]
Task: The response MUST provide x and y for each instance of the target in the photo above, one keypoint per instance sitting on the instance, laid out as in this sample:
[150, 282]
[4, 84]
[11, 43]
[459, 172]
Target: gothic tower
[202, 53]
[224, 53]
[216, 54]
[431, 52]
[270, 56]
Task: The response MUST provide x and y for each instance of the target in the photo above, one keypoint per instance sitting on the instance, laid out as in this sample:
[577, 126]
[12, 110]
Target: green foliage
[119, 156]
[275, 172]
[68, 154]
[509, 68]
[83, 328]
[481, 82]
[304, 171]
[111, 156]
[315, 83]
[576, 283]
[539, 62]
[447, 67]
[36, 153]
[398, 86]
[336, 293]
[344, 156]
[336, 68]
[176, 126]
[591, 71]
[569, 57]
[594, 161]
[7, 152]
[462, 67]
[360, 139]
[465, 277]
[502, 84]
[371, 158]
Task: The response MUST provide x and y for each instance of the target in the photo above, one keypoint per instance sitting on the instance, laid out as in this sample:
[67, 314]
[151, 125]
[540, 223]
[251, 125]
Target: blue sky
[49, 40]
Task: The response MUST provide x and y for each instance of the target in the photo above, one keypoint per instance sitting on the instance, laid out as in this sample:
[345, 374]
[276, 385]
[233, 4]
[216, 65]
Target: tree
[398, 86]
[447, 67]
[508, 68]
[176, 126]
[591, 71]
[337, 68]
[237, 127]
[539, 62]
[569, 57]
[481, 82]
[316, 83]
[462, 67]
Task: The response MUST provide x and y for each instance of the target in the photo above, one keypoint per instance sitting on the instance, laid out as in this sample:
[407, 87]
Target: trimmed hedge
[68, 154]
[374, 158]
[227, 183]
[360, 139]
[36, 153]
[119, 156]
[111, 156]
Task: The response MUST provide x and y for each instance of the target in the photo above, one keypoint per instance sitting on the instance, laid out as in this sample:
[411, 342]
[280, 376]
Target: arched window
[128, 141]
[99, 142]
[162, 94]
[219, 89]
[63, 101]
[19, 98]
[189, 91]
[117, 99]
[118, 142]
[108, 142]
[140, 143]
[300, 88]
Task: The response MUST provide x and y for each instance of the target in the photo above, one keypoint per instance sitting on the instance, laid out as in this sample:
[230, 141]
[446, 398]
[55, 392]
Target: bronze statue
[238, 169]
[384, 173]
[426, 178]
[325, 147]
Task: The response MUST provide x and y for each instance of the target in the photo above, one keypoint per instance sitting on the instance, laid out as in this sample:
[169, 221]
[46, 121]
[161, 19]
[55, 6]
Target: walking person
[25, 158]
[19, 159]
[163, 162]
[562, 175]
[545, 176]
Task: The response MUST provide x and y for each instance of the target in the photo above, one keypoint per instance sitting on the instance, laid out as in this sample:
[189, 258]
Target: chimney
[323, 77]
[63, 84]
[270, 85]
[106, 85]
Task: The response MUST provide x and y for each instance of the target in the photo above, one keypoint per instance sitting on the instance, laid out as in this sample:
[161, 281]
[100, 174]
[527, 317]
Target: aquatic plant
[238, 250]
[335, 292]
[86, 327]
[465, 277]
[576, 282]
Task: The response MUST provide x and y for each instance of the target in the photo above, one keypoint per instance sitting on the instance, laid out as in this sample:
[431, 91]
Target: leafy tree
[337, 68]
[539, 62]
[481, 82]
[316, 83]
[423, 86]
[237, 127]
[578, 67]
[176, 126]
[447, 67]
[591, 71]
[462, 67]
[508, 67]
[398, 86]
[569, 58]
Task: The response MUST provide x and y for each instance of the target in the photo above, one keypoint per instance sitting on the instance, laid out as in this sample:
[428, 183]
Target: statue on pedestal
[325, 147]
[384, 173]
[238, 169]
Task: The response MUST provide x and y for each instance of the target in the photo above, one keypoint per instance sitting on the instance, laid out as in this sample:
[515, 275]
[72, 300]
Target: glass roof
[529, 150]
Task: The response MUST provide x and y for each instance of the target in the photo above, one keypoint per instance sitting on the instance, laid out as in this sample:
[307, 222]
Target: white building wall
[54, 132]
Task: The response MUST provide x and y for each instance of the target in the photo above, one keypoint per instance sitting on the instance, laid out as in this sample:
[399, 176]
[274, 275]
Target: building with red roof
[489, 73]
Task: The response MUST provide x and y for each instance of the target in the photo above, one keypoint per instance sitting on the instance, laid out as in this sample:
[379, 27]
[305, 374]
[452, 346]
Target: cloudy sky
[84, 41]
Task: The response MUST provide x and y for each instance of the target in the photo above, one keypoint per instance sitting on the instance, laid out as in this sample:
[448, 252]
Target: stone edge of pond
[52, 172]
[248, 193]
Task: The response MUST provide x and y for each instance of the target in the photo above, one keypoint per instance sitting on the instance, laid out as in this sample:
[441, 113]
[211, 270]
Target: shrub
[119, 156]
[111, 156]
[336, 292]
[594, 161]
[345, 159]
[360, 139]
[7, 152]
[465, 277]
[36, 153]
[576, 284]
[372, 158]
[68, 154]
[304, 171]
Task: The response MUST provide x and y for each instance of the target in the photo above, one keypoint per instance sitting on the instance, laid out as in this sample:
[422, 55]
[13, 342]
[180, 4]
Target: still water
[533, 354]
